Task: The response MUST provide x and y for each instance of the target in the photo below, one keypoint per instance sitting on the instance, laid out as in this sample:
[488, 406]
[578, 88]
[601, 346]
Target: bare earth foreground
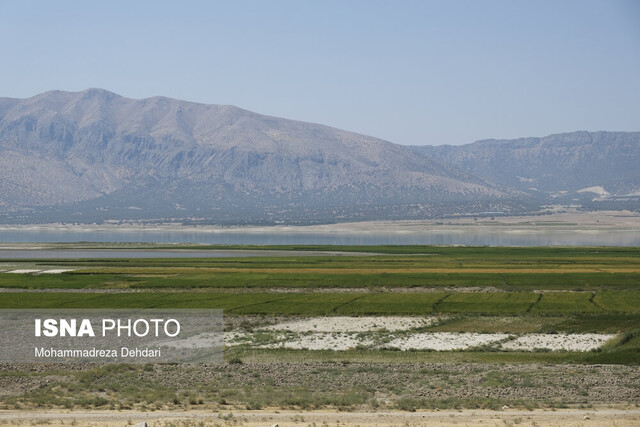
[571, 395]
[507, 417]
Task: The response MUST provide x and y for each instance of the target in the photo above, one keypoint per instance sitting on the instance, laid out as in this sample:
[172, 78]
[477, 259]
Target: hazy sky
[411, 72]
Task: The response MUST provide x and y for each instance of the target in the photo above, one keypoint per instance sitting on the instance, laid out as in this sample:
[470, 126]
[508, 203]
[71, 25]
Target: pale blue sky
[411, 72]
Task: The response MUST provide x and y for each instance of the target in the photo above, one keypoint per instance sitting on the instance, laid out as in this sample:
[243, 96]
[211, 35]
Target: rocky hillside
[94, 155]
[590, 164]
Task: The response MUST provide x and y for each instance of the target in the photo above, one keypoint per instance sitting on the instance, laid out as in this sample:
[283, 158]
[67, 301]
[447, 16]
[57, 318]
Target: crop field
[328, 304]
[469, 313]
[508, 269]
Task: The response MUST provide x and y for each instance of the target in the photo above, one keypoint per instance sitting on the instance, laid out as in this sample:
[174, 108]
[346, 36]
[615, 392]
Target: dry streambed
[401, 333]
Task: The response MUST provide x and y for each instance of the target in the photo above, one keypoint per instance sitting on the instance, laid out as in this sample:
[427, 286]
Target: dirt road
[565, 418]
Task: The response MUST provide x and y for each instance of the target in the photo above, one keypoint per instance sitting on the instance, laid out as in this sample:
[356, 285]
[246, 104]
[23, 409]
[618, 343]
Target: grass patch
[324, 303]
[493, 303]
[388, 304]
[600, 323]
[511, 269]
[566, 302]
[628, 302]
[496, 324]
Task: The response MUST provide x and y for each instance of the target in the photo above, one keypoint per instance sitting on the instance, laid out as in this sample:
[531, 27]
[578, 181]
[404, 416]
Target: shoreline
[565, 221]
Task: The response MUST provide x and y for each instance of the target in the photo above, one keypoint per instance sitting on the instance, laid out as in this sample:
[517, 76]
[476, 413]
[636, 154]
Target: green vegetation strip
[510, 269]
[197, 279]
[341, 303]
[503, 303]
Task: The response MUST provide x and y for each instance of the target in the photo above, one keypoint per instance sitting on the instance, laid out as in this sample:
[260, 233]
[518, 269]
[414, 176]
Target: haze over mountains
[604, 163]
[92, 156]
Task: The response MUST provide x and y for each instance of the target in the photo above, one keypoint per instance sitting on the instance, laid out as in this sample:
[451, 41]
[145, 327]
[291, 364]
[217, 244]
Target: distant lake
[500, 236]
[116, 253]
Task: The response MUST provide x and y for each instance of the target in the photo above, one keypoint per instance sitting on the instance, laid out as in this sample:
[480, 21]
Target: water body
[116, 253]
[456, 236]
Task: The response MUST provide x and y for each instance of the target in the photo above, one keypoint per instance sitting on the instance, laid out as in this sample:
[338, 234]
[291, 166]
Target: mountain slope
[588, 163]
[99, 155]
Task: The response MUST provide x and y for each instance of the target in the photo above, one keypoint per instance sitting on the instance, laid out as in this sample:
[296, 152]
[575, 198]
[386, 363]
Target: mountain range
[92, 156]
[604, 163]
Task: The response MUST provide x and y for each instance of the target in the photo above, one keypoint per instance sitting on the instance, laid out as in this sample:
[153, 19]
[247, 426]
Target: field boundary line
[269, 301]
[434, 307]
[534, 303]
[335, 309]
[592, 300]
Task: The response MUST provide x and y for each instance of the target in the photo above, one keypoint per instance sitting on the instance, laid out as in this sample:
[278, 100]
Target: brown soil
[565, 418]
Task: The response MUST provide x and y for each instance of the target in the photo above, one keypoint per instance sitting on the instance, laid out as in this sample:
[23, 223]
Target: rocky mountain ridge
[591, 164]
[94, 154]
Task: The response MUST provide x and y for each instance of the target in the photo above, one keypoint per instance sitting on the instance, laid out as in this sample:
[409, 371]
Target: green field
[509, 269]
[327, 304]
[196, 278]
[514, 290]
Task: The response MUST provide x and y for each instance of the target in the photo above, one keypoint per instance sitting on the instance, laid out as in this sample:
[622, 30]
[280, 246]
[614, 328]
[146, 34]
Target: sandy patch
[323, 341]
[558, 342]
[398, 332]
[237, 338]
[438, 341]
[203, 340]
[23, 271]
[257, 339]
[353, 324]
[442, 341]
